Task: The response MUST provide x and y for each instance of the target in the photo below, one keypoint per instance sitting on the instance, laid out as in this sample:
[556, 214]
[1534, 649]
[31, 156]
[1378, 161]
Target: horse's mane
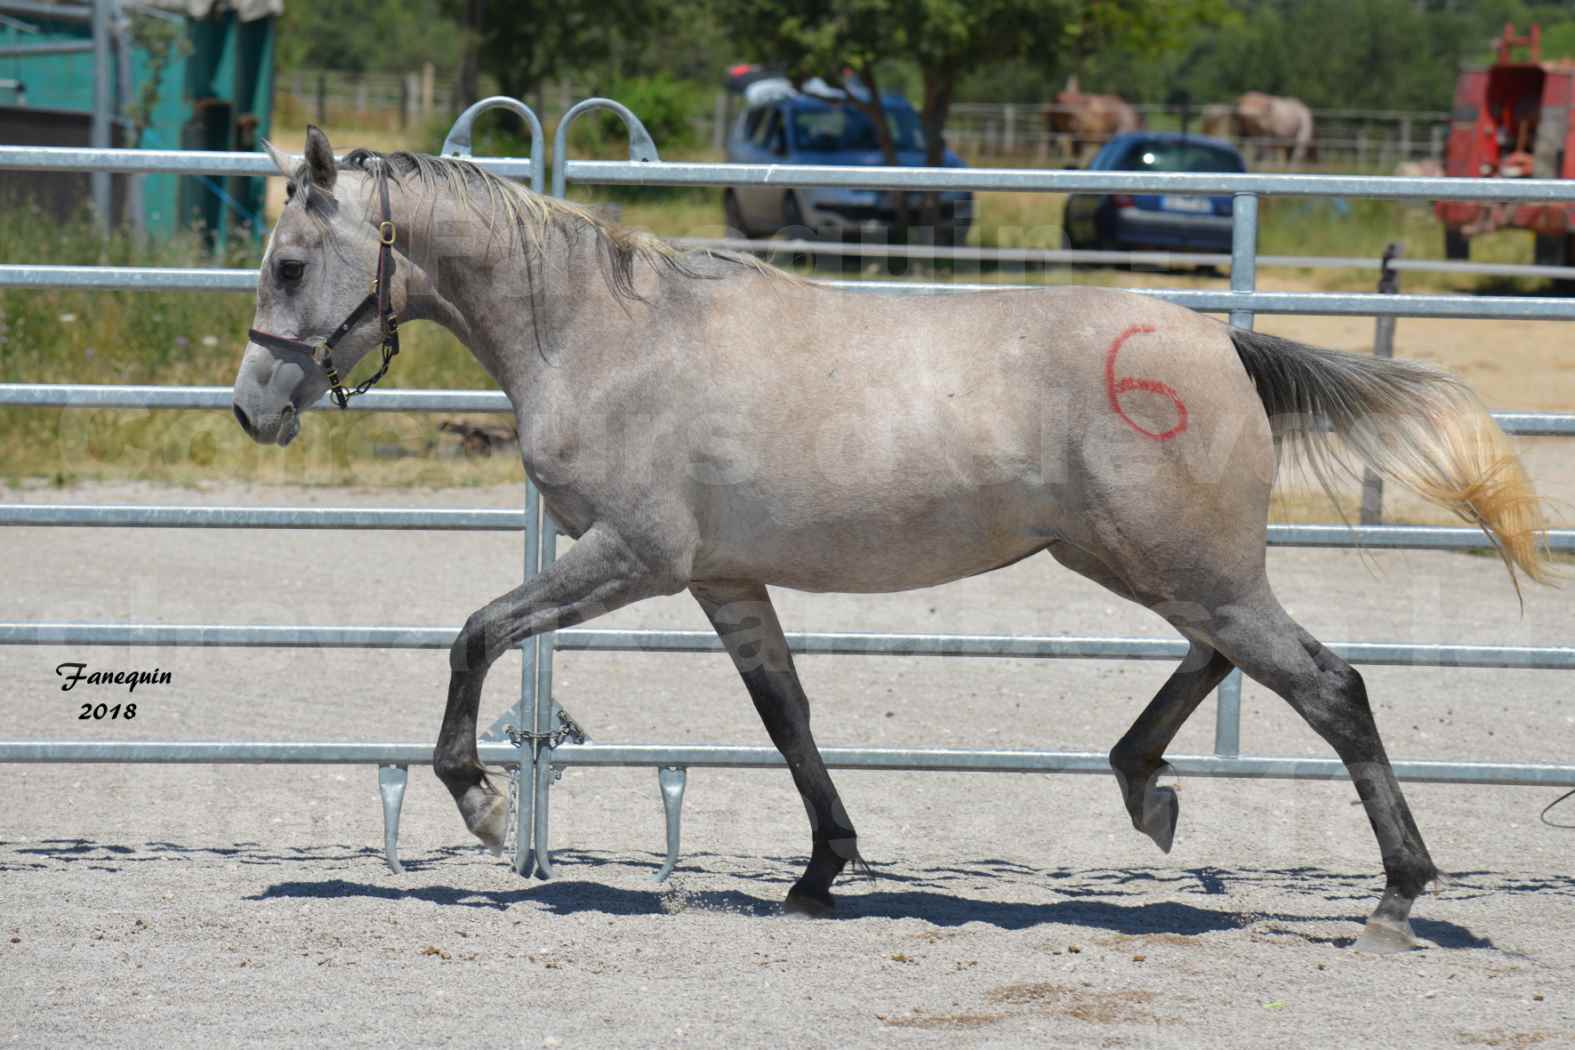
[528, 217]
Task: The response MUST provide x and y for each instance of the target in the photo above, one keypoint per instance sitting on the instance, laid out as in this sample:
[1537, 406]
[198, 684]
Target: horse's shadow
[1117, 900]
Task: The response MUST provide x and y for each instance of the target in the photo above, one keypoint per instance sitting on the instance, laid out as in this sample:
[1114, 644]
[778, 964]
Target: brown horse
[1086, 120]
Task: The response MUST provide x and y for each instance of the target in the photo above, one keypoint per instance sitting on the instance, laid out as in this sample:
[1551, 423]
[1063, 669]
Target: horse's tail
[1413, 423]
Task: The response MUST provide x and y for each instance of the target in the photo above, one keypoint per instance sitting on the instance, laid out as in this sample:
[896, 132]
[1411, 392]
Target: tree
[523, 44]
[839, 40]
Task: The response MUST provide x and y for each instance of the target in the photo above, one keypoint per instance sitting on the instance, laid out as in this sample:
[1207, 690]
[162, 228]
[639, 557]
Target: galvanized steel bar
[129, 278]
[1032, 180]
[184, 162]
[1363, 304]
[524, 859]
[720, 756]
[1007, 761]
[217, 753]
[1243, 253]
[1353, 304]
[457, 142]
[803, 644]
[1145, 258]
[81, 395]
[642, 150]
[1227, 716]
[37, 515]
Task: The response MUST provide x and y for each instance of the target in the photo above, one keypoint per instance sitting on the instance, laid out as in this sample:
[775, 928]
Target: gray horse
[703, 422]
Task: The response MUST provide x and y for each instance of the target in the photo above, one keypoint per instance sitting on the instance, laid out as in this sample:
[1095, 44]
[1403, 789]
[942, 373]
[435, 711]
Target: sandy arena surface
[210, 905]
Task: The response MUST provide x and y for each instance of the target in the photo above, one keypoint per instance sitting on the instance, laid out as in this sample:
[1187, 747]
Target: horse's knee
[469, 651]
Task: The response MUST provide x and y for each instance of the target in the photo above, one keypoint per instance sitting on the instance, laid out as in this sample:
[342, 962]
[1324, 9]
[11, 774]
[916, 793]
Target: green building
[214, 92]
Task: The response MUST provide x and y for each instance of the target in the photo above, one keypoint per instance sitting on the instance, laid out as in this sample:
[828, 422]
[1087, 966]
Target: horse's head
[316, 272]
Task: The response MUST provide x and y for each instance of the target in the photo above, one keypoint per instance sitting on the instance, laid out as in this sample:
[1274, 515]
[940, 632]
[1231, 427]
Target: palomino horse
[704, 422]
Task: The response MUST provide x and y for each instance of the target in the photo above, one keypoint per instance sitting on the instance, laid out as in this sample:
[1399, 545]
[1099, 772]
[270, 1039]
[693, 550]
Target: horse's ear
[320, 158]
[280, 160]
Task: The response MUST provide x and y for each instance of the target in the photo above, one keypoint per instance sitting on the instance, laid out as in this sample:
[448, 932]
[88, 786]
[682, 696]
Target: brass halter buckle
[386, 232]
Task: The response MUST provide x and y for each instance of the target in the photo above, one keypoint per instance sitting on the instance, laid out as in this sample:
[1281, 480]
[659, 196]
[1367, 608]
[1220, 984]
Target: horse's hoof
[1161, 810]
[800, 902]
[1386, 937]
[487, 817]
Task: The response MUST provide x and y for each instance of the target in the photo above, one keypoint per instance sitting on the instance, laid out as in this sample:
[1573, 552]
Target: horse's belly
[879, 546]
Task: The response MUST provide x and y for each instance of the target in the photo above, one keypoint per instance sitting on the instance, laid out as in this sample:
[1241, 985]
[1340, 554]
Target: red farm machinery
[1512, 120]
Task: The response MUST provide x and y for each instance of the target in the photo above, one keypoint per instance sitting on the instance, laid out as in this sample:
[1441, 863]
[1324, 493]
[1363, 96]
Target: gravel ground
[210, 905]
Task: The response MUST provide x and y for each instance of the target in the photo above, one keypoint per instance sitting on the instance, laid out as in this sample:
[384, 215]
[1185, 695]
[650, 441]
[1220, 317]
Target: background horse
[704, 422]
[1086, 120]
[1286, 121]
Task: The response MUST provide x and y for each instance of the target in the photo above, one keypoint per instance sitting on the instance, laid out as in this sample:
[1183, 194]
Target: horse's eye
[291, 269]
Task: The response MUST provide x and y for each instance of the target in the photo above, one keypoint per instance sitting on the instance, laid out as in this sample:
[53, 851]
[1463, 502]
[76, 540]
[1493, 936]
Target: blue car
[800, 129]
[1122, 222]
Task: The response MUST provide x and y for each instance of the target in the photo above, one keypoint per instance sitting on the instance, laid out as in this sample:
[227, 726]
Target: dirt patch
[1080, 1004]
[1506, 1040]
[921, 1019]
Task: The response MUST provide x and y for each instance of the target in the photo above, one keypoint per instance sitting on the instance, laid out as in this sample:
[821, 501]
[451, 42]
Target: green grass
[181, 338]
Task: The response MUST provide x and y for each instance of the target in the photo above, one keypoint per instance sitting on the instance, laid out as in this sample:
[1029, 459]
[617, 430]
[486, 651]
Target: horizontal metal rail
[1356, 304]
[1543, 658]
[220, 398]
[1361, 304]
[184, 162]
[946, 760]
[1035, 180]
[37, 515]
[1022, 180]
[382, 518]
[82, 395]
[798, 246]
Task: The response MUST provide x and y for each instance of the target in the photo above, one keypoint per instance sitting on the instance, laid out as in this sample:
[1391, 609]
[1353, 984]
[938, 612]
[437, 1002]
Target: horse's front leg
[744, 619]
[599, 574]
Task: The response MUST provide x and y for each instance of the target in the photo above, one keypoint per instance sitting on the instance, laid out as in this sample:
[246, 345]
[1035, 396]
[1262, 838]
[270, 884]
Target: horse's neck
[516, 307]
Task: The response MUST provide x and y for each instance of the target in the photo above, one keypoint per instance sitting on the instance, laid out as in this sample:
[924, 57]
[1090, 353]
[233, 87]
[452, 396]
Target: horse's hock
[535, 739]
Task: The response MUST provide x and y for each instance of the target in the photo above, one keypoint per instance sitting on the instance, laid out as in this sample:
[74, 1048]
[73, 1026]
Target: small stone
[1535, 998]
[1074, 949]
[1430, 993]
[18, 940]
[552, 1040]
[1140, 958]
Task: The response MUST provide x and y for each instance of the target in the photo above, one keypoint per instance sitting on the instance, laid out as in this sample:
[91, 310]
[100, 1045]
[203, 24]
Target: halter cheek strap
[380, 298]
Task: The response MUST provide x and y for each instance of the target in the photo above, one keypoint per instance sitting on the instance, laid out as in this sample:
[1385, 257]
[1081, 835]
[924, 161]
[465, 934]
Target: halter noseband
[379, 298]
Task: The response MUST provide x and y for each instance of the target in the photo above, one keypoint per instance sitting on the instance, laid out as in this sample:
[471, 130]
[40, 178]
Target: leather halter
[380, 298]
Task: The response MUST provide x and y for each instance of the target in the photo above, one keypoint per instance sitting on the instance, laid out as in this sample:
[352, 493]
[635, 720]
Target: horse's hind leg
[1138, 758]
[1261, 638]
[747, 624]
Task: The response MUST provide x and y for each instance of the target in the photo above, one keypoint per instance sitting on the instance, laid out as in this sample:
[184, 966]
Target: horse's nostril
[240, 417]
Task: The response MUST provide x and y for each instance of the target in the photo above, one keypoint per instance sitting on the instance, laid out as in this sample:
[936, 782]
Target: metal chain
[568, 729]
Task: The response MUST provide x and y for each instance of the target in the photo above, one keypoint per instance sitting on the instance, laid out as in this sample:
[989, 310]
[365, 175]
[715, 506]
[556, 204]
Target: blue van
[801, 129]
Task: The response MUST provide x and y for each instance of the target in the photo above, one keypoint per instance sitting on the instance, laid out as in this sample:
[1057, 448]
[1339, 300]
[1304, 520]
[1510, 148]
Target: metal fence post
[1243, 278]
[1383, 346]
[103, 93]
[545, 713]
[525, 720]
[1243, 252]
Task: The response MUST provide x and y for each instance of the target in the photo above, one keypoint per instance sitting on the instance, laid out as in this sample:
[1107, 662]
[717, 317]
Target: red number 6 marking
[1114, 388]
